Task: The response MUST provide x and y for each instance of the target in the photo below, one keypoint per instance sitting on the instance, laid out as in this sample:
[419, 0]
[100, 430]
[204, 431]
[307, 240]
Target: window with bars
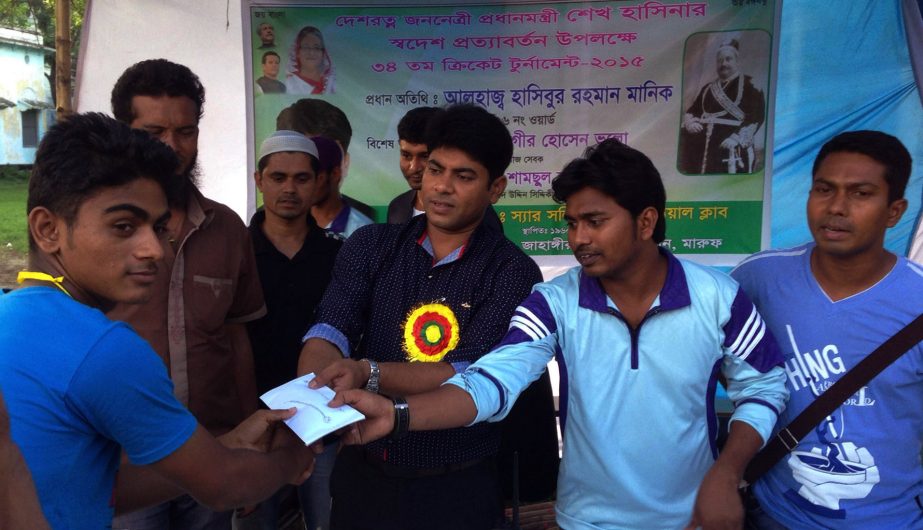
[30, 128]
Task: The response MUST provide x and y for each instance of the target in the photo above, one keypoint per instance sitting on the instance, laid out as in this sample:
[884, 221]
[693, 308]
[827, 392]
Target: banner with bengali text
[689, 83]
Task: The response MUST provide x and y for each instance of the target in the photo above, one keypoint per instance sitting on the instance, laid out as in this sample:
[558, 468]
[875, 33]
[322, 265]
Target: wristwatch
[374, 376]
[401, 419]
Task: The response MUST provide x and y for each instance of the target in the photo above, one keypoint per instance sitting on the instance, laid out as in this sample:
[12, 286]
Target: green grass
[13, 192]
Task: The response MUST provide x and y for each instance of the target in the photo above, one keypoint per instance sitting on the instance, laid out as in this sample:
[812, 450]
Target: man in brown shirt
[207, 290]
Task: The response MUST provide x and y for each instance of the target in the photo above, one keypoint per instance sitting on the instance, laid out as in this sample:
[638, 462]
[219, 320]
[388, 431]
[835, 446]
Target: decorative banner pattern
[686, 82]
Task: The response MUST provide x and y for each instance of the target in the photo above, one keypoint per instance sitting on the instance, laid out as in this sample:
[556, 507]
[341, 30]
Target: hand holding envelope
[314, 418]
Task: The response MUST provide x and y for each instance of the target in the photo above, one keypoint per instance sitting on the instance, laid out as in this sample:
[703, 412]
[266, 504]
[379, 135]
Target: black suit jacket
[361, 206]
[401, 207]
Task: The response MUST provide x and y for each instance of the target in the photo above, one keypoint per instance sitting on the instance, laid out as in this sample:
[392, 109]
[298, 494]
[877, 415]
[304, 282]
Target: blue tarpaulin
[843, 66]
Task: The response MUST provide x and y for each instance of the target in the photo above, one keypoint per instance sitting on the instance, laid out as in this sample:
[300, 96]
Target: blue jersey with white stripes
[860, 467]
[637, 404]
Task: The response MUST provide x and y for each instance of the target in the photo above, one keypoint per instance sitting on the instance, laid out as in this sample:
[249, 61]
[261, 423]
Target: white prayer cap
[287, 141]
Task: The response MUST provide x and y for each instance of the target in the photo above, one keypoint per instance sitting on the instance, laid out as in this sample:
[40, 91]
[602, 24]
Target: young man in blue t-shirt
[831, 303]
[81, 388]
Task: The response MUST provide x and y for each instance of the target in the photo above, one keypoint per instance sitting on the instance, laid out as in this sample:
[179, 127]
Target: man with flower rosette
[409, 306]
[641, 338]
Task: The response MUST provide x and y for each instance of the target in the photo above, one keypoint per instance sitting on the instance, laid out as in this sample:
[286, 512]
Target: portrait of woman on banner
[310, 70]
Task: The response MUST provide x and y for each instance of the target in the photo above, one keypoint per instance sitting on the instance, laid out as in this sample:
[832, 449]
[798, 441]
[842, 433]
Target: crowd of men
[150, 318]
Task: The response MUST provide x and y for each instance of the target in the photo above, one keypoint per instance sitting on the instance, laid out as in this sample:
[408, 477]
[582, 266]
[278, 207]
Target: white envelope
[314, 418]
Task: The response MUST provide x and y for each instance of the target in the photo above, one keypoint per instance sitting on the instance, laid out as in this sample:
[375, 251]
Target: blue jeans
[182, 513]
[314, 494]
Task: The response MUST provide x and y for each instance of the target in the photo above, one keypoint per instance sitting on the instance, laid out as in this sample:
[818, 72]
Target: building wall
[22, 61]
[203, 35]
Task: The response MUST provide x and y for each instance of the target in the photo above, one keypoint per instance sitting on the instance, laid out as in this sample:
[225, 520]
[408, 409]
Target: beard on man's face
[179, 184]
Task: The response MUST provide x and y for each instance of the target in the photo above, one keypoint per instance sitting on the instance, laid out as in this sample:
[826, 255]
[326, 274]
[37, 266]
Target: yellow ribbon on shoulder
[42, 277]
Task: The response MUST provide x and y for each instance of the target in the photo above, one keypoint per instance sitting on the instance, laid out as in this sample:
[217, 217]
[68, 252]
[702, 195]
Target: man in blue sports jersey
[641, 339]
[831, 303]
[79, 387]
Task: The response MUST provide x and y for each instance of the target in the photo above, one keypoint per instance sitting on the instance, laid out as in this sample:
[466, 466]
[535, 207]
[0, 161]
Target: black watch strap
[401, 419]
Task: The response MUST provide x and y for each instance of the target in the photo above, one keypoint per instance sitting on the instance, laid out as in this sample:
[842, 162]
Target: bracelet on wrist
[372, 385]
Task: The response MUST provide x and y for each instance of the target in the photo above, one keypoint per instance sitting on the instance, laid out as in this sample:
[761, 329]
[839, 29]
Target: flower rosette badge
[430, 332]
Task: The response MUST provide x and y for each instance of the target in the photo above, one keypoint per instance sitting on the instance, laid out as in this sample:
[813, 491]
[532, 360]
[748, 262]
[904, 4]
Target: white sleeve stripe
[795, 251]
[752, 336]
[744, 330]
[531, 325]
[743, 356]
[535, 320]
[525, 329]
[915, 268]
[748, 337]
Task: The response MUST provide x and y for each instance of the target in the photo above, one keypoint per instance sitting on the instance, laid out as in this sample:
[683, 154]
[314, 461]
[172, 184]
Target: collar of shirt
[198, 210]
[673, 295]
[199, 213]
[427, 245]
[262, 244]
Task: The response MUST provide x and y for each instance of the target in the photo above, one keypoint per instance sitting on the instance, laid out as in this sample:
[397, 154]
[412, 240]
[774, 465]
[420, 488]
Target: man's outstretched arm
[486, 391]
[316, 355]
[444, 408]
[505, 290]
[222, 473]
[342, 313]
[396, 379]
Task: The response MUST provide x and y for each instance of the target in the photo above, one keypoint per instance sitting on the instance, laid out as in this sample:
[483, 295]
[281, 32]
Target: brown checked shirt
[209, 281]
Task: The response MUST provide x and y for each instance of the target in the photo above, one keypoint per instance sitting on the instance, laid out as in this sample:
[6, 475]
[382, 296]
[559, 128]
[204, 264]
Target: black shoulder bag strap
[787, 439]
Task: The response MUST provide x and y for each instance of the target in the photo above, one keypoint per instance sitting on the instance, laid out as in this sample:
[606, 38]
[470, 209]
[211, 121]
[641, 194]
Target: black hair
[880, 147]
[476, 132]
[155, 78]
[87, 152]
[412, 126]
[316, 117]
[625, 174]
[267, 54]
[329, 155]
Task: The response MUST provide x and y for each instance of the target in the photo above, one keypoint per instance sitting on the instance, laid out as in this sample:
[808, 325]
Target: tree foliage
[16, 14]
[39, 16]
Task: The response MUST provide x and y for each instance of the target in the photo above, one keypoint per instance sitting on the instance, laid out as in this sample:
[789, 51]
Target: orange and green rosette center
[430, 332]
